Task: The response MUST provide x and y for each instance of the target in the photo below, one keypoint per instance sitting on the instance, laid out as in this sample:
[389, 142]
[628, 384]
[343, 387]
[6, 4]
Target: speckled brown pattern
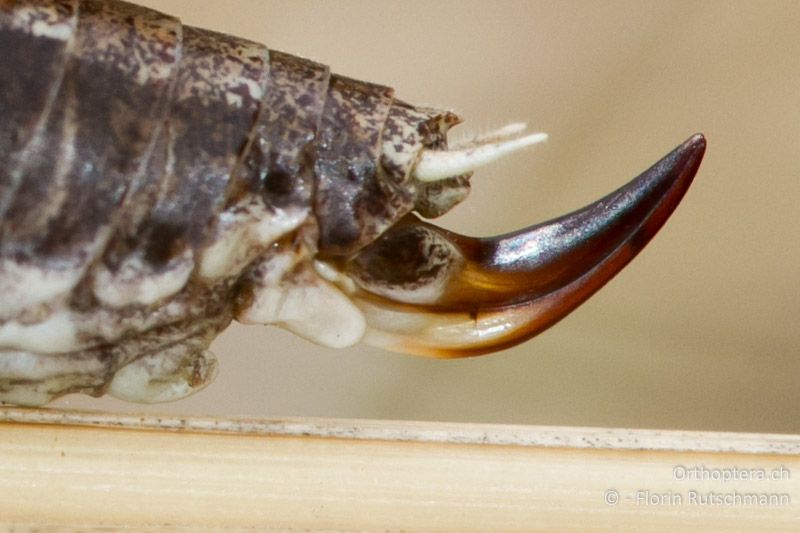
[407, 132]
[351, 203]
[280, 162]
[217, 99]
[92, 149]
[43, 35]
[82, 184]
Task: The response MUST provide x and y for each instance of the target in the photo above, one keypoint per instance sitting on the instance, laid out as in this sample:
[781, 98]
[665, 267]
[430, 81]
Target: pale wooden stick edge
[412, 431]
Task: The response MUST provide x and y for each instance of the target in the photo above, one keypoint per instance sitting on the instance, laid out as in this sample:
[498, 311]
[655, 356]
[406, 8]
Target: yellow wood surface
[71, 470]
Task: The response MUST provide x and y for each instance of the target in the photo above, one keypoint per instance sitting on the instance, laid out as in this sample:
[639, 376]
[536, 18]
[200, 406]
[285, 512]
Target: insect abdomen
[157, 180]
[145, 165]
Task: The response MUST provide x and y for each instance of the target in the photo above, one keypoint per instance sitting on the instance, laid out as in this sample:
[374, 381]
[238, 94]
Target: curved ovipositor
[430, 291]
[158, 181]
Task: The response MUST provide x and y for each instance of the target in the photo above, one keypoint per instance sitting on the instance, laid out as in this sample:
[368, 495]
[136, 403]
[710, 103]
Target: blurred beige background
[699, 332]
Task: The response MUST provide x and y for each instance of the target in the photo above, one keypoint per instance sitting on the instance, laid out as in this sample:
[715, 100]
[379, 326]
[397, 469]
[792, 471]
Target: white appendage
[435, 165]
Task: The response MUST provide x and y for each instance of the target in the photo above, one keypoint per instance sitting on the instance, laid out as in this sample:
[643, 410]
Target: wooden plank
[69, 470]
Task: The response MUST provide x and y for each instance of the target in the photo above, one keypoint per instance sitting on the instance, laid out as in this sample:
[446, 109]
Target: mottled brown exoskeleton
[158, 181]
